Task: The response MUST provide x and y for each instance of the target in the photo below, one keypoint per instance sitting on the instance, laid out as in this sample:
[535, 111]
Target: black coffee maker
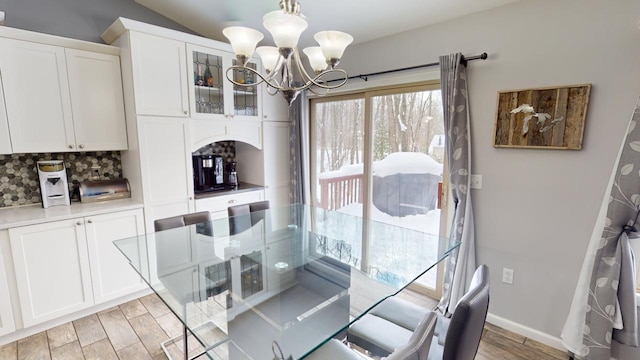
[208, 172]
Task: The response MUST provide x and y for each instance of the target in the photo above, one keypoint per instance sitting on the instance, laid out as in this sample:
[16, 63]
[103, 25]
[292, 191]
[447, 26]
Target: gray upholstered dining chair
[416, 348]
[456, 338]
[243, 217]
[202, 217]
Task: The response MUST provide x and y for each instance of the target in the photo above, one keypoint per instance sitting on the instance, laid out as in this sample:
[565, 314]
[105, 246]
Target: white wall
[536, 211]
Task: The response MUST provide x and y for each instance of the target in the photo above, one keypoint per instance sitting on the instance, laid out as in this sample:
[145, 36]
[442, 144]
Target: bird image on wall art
[531, 113]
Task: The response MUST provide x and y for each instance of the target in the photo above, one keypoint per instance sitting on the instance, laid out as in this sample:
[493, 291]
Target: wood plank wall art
[542, 118]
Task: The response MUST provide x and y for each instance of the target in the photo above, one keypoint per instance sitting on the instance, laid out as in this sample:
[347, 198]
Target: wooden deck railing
[340, 191]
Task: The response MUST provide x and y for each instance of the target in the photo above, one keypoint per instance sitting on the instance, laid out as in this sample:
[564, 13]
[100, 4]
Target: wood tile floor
[134, 330]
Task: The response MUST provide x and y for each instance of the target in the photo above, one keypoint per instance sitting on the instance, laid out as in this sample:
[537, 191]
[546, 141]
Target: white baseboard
[528, 332]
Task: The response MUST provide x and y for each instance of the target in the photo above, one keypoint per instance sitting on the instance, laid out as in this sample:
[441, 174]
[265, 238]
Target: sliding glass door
[338, 147]
[379, 155]
[408, 156]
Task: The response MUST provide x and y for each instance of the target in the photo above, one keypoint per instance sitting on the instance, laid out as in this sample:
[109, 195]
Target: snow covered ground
[392, 248]
[428, 223]
[402, 248]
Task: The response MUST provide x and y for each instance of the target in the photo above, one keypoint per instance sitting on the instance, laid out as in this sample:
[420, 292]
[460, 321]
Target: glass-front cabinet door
[245, 99]
[208, 84]
[211, 94]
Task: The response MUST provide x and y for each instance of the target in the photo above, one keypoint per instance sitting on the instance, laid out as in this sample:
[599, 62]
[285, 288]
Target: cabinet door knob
[186, 112]
[79, 223]
[190, 197]
[90, 221]
[81, 146]
[70, 146]
[232, 201]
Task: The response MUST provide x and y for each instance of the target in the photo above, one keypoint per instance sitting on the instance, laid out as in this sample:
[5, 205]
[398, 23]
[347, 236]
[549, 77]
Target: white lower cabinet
[7, 324]
[52, 269]
[278, 252]
[65, 266]
[111, 274]
[217, 205]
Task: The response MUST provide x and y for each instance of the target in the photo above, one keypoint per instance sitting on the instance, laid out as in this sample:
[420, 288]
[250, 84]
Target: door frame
[367, 94]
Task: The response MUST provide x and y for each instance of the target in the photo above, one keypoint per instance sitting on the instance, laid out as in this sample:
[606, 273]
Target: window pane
[408, 153]
[339, 154]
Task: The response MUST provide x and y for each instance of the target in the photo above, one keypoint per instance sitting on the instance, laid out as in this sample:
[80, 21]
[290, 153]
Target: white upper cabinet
[276, 162]
[160, 78]
[97, 102]
[207, 84]
[36, 93]
[274, 107]
[212, 95]
[167, 172]
[5, 140]
[59, 100]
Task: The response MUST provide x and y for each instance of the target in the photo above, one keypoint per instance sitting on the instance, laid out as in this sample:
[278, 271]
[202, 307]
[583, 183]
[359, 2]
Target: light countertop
[242, 187]
[15, 216]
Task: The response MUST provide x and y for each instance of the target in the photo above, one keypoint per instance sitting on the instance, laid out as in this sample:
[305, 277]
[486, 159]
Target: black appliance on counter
[208, 172]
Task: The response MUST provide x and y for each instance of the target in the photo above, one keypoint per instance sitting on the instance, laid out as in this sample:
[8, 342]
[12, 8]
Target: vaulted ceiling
[364, 19]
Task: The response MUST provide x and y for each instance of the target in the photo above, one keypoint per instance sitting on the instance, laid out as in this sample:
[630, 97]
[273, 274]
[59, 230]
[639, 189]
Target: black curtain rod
[365, 77]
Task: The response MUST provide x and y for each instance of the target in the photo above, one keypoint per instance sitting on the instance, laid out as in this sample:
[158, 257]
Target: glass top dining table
[277, 283]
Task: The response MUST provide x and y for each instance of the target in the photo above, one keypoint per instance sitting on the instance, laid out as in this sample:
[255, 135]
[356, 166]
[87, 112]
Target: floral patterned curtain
[604, 305]
[298, 140]
[461, 264]
[295, 151]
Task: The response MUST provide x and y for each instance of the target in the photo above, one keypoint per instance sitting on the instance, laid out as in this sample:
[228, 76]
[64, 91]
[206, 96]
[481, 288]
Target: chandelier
[284, 70]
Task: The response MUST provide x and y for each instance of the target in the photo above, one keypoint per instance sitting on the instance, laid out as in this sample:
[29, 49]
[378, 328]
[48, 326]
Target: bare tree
[401, 122]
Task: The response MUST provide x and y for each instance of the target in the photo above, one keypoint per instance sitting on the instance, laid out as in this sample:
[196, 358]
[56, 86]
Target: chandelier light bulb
[333, 44]
[284, 28]
[243, 40]
[316, 58]
[269, 56]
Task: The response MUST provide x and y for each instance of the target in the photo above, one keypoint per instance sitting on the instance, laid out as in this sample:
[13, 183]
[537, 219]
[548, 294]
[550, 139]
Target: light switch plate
[507, 276]
[476, 181]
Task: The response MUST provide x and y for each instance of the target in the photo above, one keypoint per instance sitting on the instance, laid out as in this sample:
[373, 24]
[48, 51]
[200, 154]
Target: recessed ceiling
[364, 19]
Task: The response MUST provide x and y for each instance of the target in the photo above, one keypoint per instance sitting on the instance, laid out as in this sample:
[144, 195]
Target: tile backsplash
[227, 149]
[19, 178]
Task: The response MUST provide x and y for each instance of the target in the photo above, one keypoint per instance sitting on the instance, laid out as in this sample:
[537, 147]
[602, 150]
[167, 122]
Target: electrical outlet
[475, 181]
[95, 172]
[507, 276]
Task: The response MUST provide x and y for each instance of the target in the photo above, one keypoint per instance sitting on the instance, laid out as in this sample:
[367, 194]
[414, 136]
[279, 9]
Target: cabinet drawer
[221, 203]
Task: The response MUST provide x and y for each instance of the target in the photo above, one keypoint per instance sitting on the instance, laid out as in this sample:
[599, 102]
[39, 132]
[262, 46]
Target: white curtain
[461, 264]
[604, 306]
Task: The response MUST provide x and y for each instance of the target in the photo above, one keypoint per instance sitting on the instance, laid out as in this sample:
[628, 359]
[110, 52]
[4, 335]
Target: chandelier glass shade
[285, 72]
